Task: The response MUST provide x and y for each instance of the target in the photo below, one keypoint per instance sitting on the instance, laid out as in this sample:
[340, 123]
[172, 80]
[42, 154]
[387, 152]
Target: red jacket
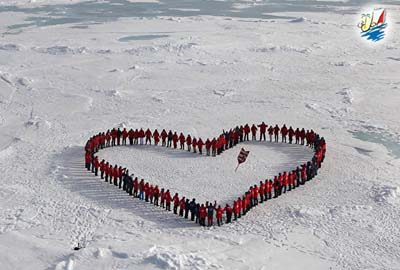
[181, 138]
[176, 200]
[263, 127]
[182, 204]
[219, 212]
[254, 129]
[148, 134]
[202, 212]
[276, 130]
[167, 197]
[189, 140]
[284, 130]
[208, 144]
[96, 162]
[164, 134]
[200, 143]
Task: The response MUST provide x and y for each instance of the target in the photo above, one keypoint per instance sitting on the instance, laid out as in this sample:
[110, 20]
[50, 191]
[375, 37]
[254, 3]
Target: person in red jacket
[285, 181]
[200, 145]
[254, 132]
[124, 136]
[219, 213]
[148, 136]
[182, 206]
[194, 145]
[304, 173]
[297, 135]
[262, 191]
[130, 136]
[202, 215]
[146, 190]
[108, 138]
[270, 133]
[114, 171]
[175, 139]
[106, 171]
[276, 132]
[88, 158]
[167, 200]
[135, 187]
[263, 129]
[255, 195]
[120, 175]
[156, 137]
[240, 207]
[162, 198]
[189, 142]
[113, 136]
[182, 140]
[175, 199]
[96, 165]
[291, 134]
[228, 210]
[164, 136]
[156, 194]
[151, 193]
[214, 147]
[246, 130]
[141, 136]
[284, 132]
[141, 190]
[302, 135]
[208, 146]
[102, 164]
[109, 173]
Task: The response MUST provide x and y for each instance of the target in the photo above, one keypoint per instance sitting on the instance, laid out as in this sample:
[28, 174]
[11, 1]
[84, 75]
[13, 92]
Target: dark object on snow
[78, 247]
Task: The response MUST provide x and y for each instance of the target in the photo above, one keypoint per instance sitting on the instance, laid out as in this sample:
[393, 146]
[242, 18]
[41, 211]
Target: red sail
[382, 17]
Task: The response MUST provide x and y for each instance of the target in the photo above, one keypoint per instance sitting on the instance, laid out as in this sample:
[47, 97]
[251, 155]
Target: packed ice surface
[65, 76]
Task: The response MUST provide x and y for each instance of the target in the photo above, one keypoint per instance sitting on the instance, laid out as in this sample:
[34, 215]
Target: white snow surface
[59, 85]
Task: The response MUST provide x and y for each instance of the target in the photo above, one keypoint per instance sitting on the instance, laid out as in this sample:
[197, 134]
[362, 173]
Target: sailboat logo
[373, 24]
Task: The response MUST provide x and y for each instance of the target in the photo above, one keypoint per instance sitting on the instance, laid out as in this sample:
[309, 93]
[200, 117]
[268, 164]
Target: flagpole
[237, 167]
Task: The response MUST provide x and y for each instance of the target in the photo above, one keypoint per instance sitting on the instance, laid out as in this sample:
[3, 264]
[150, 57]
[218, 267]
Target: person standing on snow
[175, 199]
[182, 141]
[263, 129]
[170, 135]
[164, 136]
[167, 200]
[219, 213]
[192, 208]
[276, 132]
[246, 130]
[210, 213]
[254, 132]
[228, 210]
[284, 132]
[156, 137]
[148, 136]
[189, 142]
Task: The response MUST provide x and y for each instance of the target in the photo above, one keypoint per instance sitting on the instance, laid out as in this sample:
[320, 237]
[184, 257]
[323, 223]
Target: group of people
[182, 206]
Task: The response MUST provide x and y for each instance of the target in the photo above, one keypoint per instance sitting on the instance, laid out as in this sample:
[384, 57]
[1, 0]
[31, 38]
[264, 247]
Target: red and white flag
[242, 157]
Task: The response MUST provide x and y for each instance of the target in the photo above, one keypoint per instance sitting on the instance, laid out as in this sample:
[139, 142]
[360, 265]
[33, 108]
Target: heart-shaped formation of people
[199, 212]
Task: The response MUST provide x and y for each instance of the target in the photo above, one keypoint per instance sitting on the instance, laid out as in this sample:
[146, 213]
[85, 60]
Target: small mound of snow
[37, 123]
[297, 20]
[61, 50]
[347, 95]
[283, 48]
[386, 194]
[170, 259]
[117, 70]
[6, 152]
[9, 47]
[307, 213]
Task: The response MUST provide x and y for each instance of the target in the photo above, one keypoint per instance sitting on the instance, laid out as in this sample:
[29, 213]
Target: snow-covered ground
[65, 76]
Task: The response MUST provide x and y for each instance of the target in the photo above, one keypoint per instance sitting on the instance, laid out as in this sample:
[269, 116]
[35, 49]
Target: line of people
[283, 182]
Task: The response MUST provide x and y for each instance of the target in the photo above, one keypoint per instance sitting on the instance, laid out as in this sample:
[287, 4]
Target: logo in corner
[373, 24]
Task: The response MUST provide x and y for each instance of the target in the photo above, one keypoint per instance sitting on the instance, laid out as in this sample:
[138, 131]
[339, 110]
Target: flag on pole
[242, 157]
